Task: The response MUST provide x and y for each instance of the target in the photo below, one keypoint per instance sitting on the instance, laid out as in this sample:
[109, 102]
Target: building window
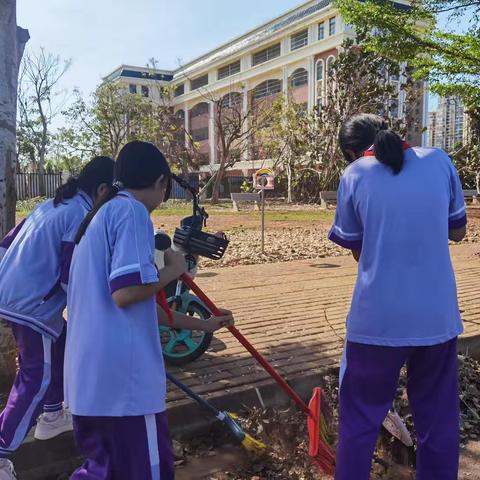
[266, 89]
[229, 70]
[132, 88]
[330, 62]
[299, 78]
[231, 100]
[145, 91]
[321, 31]
[332, 26]
[319, 74]
[320, 71]
[204, 158]
[199, 82]
[265, 55]
[299, 40]
[179, 90]
[199, 109]
[180, 115]
[200, 134]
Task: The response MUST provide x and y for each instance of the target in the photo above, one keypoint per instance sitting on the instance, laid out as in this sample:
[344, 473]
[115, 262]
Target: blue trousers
[369, 379]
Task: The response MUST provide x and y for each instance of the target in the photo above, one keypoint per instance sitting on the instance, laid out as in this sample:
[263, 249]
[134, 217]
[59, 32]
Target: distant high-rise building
[433, 140]
[446, 125]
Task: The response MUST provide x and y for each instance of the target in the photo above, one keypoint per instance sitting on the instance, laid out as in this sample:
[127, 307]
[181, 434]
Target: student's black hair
[95, 173]
[139, 165]
[360, 132]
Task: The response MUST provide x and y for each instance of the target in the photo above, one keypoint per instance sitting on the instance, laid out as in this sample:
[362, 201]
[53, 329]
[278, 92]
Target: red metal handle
[251, 349]
[162, 302]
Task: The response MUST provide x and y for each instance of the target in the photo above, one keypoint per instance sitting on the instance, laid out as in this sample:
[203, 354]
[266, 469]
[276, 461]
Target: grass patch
[302, 216]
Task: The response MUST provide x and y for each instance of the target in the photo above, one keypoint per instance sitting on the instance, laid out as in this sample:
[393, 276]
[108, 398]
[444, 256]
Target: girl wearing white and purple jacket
[34, 270]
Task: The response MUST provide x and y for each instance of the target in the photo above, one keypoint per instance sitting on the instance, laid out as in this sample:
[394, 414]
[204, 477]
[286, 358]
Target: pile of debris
[285, 433]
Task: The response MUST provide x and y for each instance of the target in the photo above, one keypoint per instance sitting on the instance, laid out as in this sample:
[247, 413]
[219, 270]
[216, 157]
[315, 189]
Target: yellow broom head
[252, 445]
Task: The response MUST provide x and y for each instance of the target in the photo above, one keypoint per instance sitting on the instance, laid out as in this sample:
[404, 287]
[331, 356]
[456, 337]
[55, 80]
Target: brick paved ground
[294, 313]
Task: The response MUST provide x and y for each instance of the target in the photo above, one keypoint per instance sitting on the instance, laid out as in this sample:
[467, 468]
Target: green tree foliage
[113, 117]
[304, 146]
[448, 60]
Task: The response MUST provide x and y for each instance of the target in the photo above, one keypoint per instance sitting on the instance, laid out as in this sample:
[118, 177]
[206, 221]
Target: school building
[289, 54]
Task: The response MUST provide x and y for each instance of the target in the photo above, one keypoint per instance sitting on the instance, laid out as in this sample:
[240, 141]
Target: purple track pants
[369, 378]
[38, 385]
[124, 448]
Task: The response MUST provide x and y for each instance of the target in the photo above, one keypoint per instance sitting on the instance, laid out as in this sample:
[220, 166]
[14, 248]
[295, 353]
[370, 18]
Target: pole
[263, 221]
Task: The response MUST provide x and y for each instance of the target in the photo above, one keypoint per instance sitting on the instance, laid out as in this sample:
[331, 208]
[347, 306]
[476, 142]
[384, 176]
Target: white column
[311, 82]
[285, 82]
[245, 62]
[285, 46]
[187, 126]
[312, 33]
[211, 132]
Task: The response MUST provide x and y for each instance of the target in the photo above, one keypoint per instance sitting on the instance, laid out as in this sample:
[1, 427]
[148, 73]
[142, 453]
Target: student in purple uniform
[114, 371]
[34, 266]
[397, 209]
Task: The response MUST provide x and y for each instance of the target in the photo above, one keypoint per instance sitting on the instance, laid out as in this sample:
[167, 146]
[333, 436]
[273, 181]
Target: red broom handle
[257, 355]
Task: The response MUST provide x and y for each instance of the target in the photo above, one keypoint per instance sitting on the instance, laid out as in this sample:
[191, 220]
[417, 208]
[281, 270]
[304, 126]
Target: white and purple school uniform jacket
[405, 293]
[35, 263]
[114, 363]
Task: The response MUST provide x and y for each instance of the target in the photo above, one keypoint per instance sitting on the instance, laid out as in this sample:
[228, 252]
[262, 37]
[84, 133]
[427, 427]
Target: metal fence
[29, 184]
[178, 193]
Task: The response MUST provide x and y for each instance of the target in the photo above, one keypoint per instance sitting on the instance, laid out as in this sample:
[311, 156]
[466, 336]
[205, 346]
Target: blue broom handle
[193, 395]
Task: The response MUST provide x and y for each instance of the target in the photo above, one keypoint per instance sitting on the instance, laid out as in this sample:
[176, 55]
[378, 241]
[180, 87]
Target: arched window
[299, 78]
[267, 88]
[330, 62]
[231, 100]
[180, 115]
[320, 84]
[199, 109]
[319, 71]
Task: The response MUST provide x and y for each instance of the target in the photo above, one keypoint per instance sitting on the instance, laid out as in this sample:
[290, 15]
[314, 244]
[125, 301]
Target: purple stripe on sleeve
[458, 223]
[10, 236]
[350, 244]
[125, 281]
[66, 260]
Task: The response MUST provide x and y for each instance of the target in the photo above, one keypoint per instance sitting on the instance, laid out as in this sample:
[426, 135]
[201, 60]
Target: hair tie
[117, 185]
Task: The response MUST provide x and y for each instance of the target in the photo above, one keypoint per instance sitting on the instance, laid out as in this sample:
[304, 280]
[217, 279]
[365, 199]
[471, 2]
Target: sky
[100, 35]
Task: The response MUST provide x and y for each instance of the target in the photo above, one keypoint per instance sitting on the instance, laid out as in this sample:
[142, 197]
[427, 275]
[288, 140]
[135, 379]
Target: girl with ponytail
[116, 384]
[34, 268]
[397, 208]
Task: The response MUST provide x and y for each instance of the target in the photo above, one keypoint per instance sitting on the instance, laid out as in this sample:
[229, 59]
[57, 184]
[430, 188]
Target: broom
[319, 449]
[247, 441]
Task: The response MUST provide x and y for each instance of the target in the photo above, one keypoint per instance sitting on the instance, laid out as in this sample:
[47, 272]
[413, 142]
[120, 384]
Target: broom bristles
[253, 445]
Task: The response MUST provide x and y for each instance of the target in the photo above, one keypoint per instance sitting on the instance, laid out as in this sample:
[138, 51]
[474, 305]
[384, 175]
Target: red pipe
[258, 356]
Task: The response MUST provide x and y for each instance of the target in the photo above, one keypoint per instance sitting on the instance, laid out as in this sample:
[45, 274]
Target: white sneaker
[7, 472]
[52, 424]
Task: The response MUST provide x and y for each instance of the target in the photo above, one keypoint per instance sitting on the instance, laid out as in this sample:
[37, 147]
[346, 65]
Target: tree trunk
[12, 42]
[289, 182]
[218, 183]
[41, 175]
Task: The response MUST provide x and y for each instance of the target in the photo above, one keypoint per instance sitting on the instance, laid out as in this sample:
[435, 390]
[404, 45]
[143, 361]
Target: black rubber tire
[203, 345]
